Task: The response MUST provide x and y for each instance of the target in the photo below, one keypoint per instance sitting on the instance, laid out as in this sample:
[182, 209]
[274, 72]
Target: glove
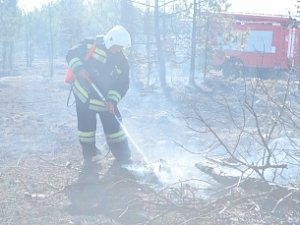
[110, 106]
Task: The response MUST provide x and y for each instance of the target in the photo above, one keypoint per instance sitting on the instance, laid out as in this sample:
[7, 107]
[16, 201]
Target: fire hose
[119, 121]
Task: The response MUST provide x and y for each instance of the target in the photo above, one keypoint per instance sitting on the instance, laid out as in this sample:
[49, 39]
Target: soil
[42, 180]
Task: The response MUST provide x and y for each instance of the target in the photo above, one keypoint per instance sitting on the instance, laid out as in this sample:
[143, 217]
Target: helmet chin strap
[115, 49]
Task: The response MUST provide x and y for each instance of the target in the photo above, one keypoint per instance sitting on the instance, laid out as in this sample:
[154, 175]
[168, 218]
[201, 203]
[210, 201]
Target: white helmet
[117, 36]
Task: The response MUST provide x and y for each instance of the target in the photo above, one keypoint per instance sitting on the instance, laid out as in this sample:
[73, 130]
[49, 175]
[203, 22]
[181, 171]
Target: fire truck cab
[258, 42]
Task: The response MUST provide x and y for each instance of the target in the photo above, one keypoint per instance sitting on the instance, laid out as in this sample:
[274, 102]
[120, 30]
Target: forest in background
[245, 126]
[170, 46]
[170, 43]
[174, 29]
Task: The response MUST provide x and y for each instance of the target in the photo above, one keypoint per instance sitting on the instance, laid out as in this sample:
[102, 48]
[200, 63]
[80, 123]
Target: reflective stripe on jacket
[109, 72]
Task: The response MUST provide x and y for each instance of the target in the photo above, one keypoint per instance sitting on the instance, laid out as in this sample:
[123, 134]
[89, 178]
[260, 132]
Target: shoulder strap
[90, 51]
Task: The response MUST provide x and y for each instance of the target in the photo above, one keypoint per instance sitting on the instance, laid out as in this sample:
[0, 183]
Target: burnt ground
[42, 182]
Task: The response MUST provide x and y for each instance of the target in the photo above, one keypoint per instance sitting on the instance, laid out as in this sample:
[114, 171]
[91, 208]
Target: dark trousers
[115, 136]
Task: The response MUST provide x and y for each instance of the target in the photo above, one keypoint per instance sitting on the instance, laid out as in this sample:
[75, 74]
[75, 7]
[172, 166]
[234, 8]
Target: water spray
[148, 173]
[121, 124]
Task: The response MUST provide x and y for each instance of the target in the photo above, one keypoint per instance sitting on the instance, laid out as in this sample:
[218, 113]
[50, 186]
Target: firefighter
[101, 60]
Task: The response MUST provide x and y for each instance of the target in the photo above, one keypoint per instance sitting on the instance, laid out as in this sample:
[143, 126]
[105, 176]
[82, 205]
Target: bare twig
[281, 200]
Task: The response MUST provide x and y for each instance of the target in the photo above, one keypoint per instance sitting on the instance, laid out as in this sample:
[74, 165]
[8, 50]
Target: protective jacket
[109, 72]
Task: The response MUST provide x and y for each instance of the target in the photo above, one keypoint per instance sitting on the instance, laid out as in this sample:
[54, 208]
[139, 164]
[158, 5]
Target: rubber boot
[89, 151]
[121, 152]
[89, 167]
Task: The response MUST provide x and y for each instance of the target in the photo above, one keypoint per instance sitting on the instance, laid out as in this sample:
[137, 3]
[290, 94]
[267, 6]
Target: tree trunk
[11, 56]
[148, 44]
[193, 47]
[127, 16]
[29, 52]
[206, 47]
[8, 30]
[51, 47]
[160, 51]
[4, 55]
[126, 20]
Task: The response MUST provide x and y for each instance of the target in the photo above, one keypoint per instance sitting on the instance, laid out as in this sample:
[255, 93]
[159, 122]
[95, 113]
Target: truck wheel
[232, 67]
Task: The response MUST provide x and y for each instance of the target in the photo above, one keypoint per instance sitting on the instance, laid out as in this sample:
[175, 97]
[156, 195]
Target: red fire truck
[256, 42]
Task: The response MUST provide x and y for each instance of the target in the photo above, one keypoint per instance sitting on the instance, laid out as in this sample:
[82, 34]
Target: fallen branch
[282, 199]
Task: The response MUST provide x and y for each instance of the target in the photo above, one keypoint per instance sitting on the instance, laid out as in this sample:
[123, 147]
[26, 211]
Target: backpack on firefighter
[116, 36]
[69, 75]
